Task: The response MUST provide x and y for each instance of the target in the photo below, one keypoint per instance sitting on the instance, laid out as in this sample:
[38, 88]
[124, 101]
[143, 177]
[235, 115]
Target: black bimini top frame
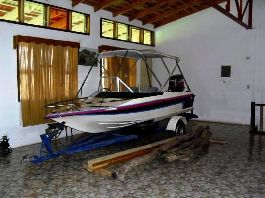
[144, 54]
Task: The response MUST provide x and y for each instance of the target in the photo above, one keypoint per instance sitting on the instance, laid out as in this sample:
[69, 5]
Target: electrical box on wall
[226, 71]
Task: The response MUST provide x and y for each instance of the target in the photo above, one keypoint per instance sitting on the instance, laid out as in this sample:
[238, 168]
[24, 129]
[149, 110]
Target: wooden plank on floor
[101, 162]
[104, 172]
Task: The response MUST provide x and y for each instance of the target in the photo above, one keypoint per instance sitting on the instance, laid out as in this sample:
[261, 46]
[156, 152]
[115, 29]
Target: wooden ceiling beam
[151, 9]
[174, 11]
[231, 16]
[240, 11]
[130, 6]
[179, 16]
[103, 4]
[76, 2]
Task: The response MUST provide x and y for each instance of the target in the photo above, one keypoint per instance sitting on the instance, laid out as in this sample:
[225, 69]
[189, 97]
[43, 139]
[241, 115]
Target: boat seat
[150, 90]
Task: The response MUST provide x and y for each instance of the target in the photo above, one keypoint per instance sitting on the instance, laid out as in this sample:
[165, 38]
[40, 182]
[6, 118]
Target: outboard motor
[176, 83]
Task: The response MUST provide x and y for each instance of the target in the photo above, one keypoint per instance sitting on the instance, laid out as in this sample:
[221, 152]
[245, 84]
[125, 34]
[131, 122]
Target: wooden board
[184, 148]
[126, 155]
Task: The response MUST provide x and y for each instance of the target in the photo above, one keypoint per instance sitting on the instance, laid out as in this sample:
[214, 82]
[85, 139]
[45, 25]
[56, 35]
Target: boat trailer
[90, 142]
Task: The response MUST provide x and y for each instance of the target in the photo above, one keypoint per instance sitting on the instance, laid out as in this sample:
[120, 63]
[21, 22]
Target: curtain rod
[38, 40]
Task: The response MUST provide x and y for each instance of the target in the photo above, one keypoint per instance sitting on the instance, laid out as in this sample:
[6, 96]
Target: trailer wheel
[180, 128]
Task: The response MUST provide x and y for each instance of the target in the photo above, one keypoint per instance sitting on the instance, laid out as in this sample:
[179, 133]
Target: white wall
[205, 41]
[10, 121]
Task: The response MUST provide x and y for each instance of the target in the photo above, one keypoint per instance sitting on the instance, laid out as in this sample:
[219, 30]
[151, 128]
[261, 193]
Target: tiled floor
[226, 171]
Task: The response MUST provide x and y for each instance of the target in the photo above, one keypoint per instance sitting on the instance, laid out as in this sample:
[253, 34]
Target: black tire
[180, 128]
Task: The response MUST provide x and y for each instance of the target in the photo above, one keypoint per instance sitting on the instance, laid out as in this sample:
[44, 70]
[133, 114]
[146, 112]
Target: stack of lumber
[184, 147]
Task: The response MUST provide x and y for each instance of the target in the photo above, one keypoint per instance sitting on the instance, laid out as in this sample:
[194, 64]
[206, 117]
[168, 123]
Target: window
[79, 22]
[135, 35]
[147, 37]
[9, 10]
[43, 15]
[107, 28]
[34, 13]
[122, 30]
[58, 18]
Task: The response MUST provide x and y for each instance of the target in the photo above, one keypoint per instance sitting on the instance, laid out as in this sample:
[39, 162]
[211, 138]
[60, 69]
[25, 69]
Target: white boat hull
[107, 122]
[104, 123]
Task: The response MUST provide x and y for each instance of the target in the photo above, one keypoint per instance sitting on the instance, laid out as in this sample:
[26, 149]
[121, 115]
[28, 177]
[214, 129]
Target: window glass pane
[9, 10]
[34, 13]
[58, 18]
[107, 29]
[135, 35]
[78, 22]
[147, 37]
[122, 31]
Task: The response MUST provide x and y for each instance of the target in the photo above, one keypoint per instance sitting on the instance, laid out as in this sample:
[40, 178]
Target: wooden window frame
[101, 29]
[133, 27]
[128, 30]
[151, 40]
[46, 20]
[48, 8]
[22, 13]
[18, 14]
[129, 33]
[87, 21]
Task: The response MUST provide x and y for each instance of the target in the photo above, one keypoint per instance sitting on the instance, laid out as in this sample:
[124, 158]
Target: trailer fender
[174, 121]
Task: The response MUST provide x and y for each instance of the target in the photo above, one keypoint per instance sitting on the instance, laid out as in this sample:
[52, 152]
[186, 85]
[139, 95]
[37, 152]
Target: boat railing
[118, 82]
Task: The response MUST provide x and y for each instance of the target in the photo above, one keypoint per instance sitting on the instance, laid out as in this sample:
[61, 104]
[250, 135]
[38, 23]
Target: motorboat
[121, 105]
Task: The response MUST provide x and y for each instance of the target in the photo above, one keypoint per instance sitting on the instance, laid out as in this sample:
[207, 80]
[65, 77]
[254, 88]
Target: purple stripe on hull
[122, 108]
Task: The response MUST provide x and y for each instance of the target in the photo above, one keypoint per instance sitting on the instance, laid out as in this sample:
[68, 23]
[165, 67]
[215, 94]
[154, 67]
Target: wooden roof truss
[162, 12]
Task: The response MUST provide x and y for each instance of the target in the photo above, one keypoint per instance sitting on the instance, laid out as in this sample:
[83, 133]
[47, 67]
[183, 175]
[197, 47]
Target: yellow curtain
[127, 72]
[47, 74]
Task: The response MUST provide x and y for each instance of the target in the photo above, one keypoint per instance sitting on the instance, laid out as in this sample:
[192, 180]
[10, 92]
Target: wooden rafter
[151, 9]
[181, 15]
[231, 16]
[130, 6]
[76, 2]
[103, 4]
[174, 11]
[239, 6]
[161, 12]
[176, 17]
[241, 11]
